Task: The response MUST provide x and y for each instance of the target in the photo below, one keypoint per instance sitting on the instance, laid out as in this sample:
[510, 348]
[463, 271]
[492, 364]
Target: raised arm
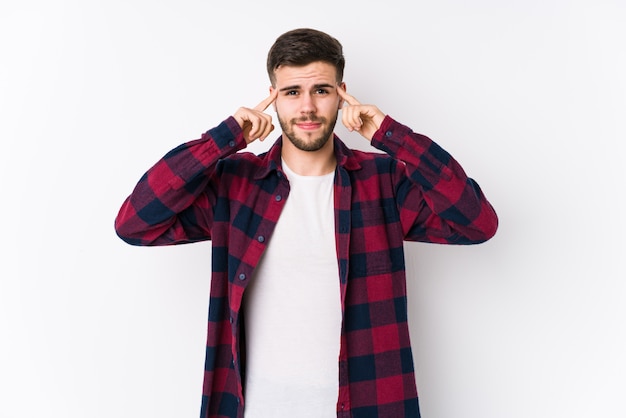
[173, 201]
[437, 201]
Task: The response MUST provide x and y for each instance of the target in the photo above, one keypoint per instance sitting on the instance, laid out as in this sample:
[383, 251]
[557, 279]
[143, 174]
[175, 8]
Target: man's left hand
[365, 119]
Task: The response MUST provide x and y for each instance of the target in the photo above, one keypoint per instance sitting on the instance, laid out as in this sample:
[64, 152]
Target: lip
[308, 126]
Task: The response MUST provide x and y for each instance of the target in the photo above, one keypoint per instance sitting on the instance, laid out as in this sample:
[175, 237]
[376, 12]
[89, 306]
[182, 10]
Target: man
[307, 314]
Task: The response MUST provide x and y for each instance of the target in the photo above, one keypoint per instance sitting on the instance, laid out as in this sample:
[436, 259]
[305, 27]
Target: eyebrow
[315, 86]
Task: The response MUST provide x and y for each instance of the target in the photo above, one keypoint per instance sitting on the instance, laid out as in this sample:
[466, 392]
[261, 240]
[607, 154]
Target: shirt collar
[271, 159]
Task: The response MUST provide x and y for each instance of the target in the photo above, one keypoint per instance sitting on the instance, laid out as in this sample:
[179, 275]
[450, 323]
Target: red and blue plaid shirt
[207, 190]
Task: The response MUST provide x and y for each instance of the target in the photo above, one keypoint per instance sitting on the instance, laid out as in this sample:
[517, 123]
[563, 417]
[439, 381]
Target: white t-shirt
[293, 310]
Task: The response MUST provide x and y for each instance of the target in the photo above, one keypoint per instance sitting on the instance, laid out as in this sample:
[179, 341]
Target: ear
[272, 89]
[341, 101]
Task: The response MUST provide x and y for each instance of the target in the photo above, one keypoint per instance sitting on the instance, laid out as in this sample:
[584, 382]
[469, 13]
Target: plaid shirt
[206, 189]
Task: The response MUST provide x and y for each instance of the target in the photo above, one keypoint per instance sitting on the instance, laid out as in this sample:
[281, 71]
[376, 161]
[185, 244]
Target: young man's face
[307, 104]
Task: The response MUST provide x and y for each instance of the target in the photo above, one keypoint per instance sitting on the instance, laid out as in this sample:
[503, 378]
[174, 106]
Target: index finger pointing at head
[268, 101]
[345, 96]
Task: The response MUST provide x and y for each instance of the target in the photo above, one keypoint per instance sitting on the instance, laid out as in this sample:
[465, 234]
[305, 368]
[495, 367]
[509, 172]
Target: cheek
[332, 106]
[283, 107]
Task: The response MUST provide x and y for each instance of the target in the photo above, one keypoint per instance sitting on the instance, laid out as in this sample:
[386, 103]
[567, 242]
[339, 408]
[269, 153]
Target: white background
[529, 96]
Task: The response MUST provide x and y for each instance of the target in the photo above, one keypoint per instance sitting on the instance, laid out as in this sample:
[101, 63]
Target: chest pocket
[376, 242]
[375, 216]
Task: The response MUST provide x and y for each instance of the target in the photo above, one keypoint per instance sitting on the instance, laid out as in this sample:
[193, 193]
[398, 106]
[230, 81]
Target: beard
[313, 143]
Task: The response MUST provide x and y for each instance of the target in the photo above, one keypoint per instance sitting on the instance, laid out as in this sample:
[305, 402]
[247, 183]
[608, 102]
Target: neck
[309, 163]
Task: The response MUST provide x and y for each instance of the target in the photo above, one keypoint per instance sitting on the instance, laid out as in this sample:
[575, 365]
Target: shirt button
[231, 319]
[278, 198]
[242, 276]
[231, 143]
[261, 238]
[388, 134]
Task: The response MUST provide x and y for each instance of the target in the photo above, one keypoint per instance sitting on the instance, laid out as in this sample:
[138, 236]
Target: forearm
[456, 210]
[172, 201]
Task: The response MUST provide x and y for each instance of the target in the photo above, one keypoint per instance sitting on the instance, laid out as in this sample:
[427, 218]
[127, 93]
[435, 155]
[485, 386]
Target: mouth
[308, 126]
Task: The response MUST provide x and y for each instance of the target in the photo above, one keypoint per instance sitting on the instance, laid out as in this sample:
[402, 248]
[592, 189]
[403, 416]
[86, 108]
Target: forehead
[313, 73]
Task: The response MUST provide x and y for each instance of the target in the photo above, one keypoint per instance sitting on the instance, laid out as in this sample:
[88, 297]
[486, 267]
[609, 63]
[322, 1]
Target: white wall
[529, 96]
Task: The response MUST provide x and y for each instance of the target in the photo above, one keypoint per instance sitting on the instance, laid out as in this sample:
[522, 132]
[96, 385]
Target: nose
[307, 104]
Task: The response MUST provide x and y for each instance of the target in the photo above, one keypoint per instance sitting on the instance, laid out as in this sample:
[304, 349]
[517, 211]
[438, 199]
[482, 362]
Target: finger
[267, 101]
[351, 118]
[256, 127]
[345, 96]
[261, 127]
[268, 129]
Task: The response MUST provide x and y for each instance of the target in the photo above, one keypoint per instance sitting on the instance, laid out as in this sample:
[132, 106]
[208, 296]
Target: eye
[321, 92]
[291, 93]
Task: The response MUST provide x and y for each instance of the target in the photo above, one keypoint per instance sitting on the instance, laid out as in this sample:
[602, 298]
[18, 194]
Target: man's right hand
[254, 123]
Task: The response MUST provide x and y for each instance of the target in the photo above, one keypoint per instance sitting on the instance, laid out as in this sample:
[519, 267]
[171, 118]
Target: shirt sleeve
[437, 201]
[172, 202]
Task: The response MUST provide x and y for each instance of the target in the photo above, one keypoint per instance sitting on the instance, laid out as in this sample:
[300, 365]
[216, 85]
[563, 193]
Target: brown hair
[303, 46]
